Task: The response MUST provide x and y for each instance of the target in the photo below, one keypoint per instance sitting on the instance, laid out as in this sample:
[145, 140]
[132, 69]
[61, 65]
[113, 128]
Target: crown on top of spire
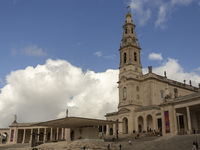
[128, 14]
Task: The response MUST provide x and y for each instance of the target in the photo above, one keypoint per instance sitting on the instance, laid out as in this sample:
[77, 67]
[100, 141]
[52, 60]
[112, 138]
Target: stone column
[120, 127]
[154, 123]
[51, 138]
[136, 125]
[107, 130]
[114, 129]
[189, 120]
[31, 136]
[163, 121]
[57, 134]
[67, 134]
[15, 135]
[38, 137]
[175, 123]
[145, 123]
[24, 136]
[45, 134]
[61, 134]
[185, 123]
[178, 123]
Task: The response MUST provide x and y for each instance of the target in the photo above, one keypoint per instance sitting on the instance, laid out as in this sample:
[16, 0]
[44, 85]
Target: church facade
[150, 102]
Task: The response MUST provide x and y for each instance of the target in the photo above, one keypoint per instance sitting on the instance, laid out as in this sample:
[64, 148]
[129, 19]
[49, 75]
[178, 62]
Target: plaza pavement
[178, 142]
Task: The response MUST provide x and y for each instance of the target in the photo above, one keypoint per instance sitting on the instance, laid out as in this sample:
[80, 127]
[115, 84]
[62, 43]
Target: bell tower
[130, 68]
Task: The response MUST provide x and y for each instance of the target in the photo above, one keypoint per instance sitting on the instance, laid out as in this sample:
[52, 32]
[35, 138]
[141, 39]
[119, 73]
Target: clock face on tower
[125, 40]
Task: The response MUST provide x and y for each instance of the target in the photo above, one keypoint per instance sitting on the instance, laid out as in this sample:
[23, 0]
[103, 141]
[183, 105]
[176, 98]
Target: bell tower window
[131, 30]
[135, 56]
[124, 57]
[126, 31]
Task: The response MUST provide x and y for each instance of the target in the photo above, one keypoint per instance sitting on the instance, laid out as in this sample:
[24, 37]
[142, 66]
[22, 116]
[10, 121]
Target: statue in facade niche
[67, 113]
[15, 119]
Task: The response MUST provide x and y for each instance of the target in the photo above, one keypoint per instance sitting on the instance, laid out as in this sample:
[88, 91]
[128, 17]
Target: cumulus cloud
[176, 72]
[98, 54]
[46, 91]
[143, 10]
[155, 56]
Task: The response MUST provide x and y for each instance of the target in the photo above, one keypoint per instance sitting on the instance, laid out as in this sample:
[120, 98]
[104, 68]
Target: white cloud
[176, 72]
[140, 13]
[199, 3]
[160, 22]
[143, 10]
[33, 50]
[1, 82]
[28, 49]
[112, 57]
[181, 2]
[155, 56]
[198, 69]
[98, 54]
[46, 91]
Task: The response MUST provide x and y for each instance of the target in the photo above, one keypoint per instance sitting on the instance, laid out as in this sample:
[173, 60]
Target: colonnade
[25, 135]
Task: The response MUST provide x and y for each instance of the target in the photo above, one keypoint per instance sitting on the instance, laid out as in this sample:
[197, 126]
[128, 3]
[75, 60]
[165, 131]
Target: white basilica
[150, 101]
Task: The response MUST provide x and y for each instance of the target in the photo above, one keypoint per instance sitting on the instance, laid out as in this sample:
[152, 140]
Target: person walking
[108, 146]
[120, 147]
[194, 145]
[197, 145]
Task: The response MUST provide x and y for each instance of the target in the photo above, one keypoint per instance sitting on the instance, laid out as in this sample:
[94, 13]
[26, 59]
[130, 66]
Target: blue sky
[41, 40]
[33, 31]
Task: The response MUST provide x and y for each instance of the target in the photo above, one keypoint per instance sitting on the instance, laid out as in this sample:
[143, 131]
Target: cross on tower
[128, 7]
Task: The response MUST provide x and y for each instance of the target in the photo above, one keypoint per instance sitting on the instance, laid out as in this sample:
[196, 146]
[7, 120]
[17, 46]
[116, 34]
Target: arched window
[131, 30]
[126, 30]
[124, 93]
[124, 57]
[135, 56]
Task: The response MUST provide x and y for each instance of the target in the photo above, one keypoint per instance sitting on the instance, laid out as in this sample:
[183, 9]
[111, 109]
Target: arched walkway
[149, 123]
[125, 125]
[140, 124]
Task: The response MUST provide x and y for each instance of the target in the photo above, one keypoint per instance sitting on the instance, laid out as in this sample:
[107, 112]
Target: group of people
[195, 145]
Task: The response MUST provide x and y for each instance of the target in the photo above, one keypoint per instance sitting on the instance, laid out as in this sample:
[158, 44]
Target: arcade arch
[149, 122]
[125, 125]
[140, 124]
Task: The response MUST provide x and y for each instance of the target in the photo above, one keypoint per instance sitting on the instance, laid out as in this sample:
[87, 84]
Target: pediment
[123, 111]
